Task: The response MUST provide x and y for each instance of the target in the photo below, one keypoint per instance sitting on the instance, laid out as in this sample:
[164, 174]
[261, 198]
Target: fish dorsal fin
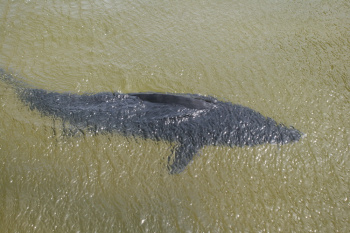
[184, 100]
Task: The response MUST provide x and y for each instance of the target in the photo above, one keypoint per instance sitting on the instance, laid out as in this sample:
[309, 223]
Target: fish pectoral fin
[184, 154]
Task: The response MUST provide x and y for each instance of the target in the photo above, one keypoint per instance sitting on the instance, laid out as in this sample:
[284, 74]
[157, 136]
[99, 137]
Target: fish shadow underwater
[191, 121]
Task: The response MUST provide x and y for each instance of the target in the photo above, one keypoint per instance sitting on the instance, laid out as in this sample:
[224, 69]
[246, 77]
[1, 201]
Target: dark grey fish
[191, 121]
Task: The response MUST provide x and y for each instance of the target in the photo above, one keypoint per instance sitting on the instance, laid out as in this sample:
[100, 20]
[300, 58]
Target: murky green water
[286, 59]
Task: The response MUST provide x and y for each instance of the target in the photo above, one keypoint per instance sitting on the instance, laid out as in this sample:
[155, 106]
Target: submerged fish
[191, 121]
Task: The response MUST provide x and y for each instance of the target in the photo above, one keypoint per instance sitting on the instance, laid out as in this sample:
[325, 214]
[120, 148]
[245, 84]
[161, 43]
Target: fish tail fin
[11, 79]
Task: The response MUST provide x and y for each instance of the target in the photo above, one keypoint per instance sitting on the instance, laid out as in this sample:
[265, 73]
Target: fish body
[191, 121]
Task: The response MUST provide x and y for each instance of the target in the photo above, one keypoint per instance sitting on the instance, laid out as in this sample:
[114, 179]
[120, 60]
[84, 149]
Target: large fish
[191, 121]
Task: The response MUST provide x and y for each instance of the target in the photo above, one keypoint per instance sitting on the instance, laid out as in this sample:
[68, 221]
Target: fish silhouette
[191, 121]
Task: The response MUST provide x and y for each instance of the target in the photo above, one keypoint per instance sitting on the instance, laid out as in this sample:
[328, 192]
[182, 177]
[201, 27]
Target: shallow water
[288, 60]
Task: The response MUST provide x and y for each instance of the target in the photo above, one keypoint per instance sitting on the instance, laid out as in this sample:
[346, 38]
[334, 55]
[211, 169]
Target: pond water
[289, 60]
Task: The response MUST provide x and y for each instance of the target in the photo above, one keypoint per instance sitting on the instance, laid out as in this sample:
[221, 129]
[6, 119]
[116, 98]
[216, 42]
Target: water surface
[287, 60]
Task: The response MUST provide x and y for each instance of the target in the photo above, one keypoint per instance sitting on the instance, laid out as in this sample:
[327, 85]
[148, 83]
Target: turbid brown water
[287, 60]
